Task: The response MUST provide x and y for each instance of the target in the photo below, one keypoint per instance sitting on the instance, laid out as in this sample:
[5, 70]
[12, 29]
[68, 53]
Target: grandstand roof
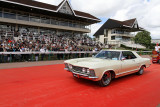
[51, 8]
[128, 25]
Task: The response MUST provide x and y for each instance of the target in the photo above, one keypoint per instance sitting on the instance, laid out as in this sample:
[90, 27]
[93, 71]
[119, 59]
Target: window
[45, 20]
[113, 38]
[118, 38]
[63, 23]
[0, 12]
[23, 17]
[34, 19]
[113, 55]
[54, 22]
[70, 24]
[128, 55]
[105, 33]
[105, 40]
[10, 15]
[113, 31]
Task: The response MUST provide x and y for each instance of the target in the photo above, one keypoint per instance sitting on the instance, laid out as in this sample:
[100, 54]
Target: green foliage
[143, 38]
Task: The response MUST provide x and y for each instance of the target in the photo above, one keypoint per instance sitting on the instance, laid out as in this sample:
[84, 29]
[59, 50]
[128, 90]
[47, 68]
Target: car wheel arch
[111, 71]
[144, 65]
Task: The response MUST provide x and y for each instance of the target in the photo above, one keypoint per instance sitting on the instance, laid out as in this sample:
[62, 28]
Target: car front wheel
[106, 79]
[140, 72]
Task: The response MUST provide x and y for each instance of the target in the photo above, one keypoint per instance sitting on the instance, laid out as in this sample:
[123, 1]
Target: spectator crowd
[57, 43]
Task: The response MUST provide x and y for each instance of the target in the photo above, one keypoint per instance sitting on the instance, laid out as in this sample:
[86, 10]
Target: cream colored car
[106, 65]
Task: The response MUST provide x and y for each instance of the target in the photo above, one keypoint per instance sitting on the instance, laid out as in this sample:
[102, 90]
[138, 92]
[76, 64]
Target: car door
[129, 62]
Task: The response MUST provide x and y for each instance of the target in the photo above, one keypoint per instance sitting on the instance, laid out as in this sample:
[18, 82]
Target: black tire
[140, 72]
[159, 61]
[106, 79]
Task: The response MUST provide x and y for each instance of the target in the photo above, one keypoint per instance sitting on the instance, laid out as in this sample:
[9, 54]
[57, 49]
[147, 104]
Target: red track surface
[51, 86]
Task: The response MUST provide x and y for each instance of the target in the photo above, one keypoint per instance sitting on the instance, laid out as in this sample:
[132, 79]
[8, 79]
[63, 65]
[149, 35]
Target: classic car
[106, 65]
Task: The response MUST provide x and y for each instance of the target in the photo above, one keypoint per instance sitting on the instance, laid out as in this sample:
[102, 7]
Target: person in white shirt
[157, 48]
[42, 50]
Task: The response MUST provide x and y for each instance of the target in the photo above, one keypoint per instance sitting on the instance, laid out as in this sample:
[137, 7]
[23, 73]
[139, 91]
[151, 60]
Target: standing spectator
[9, 55]
[1, 50]
[36, 55]
[23, 55]
[42, 50]
[5, 55]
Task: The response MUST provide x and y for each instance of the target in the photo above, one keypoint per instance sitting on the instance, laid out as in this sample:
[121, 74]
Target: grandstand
[114, 33]
[32, 26]
[33, 20]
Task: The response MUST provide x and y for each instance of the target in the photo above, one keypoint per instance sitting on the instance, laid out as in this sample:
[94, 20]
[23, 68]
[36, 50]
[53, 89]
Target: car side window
[128, 55]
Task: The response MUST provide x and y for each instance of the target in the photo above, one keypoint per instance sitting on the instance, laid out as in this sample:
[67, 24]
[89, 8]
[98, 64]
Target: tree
[143, 38]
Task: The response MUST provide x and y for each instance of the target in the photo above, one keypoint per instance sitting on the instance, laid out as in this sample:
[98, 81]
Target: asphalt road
[51, 86]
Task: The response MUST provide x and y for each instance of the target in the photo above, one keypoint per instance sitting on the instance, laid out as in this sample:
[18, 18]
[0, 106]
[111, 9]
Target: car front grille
[79, 70]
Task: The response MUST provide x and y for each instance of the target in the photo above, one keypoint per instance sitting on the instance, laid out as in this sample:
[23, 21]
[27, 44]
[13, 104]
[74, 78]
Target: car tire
[140, 72]
[106, 79]
[159, 61]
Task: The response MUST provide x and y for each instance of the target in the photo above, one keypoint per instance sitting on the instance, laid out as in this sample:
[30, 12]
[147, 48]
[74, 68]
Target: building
[114, 32]
[33, 20]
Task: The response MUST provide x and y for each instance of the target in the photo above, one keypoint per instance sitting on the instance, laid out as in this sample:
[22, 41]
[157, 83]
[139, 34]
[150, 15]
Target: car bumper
[79, 75]
[155, 60]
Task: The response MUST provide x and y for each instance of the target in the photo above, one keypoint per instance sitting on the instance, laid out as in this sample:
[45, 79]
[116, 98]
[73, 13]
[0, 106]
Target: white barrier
[53, 52]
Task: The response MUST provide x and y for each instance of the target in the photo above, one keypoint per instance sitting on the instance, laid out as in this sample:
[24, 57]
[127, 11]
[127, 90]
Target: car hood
[91, 62]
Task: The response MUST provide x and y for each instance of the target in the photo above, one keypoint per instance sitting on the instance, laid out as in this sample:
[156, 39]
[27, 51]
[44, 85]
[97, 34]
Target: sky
[147, 12]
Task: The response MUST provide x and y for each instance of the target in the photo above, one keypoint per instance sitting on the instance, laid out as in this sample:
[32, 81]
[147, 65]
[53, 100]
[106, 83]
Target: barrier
[53, 55]
[52, 52]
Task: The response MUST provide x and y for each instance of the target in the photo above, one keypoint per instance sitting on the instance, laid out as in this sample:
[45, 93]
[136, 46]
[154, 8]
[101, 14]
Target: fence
[31, 56]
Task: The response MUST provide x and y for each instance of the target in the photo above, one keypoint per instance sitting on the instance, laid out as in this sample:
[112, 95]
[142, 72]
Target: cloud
[147, 12]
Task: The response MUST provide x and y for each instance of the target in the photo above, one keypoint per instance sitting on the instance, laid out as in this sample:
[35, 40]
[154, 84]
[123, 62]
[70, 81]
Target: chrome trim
[126, 72]
[66, 69]
[81, 74]
[84, 75]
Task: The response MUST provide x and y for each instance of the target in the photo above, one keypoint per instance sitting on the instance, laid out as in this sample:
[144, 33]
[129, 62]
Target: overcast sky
[147, 12]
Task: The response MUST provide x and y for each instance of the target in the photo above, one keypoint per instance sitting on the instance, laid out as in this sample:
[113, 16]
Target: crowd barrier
[54, 55]
[52, 52]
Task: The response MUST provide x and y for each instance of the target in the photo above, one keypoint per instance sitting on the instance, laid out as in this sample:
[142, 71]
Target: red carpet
[51, 86]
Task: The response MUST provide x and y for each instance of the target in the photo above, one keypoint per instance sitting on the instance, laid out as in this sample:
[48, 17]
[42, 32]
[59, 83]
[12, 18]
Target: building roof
[52, 8]
[111, 24]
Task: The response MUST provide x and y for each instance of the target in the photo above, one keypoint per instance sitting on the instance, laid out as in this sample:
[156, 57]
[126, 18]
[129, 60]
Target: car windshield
[112, 55]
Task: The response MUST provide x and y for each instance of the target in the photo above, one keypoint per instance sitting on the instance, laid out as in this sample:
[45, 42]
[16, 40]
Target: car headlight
[91, 72]
[70, 66]
[66, 65]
